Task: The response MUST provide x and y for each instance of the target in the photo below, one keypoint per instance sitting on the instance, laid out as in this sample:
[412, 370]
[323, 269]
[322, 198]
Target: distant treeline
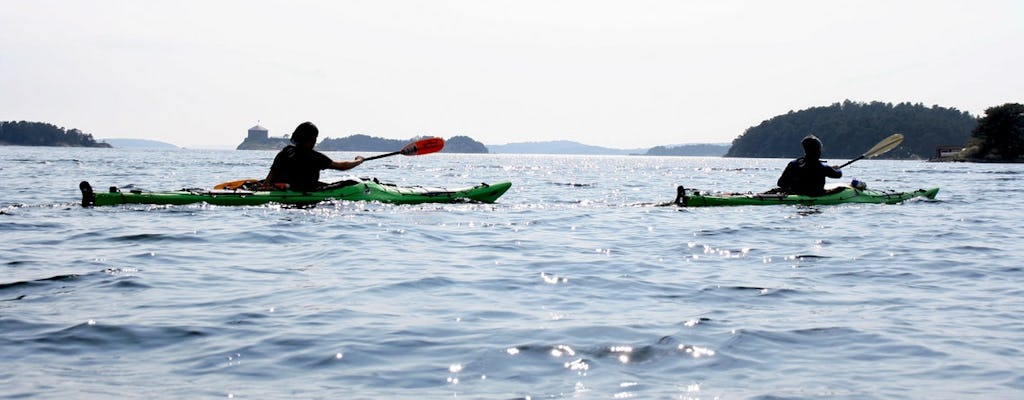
[23, 133]
[701, 150]
[848, 129]
[457, 144]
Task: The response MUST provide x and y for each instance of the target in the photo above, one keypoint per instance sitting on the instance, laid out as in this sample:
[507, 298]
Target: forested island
[998, 137]
[849, 128]
[24, 133]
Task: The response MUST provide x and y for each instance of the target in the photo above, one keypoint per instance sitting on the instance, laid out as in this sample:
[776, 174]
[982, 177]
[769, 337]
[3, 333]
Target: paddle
[885, 145]
[419, 147]
[234, 184]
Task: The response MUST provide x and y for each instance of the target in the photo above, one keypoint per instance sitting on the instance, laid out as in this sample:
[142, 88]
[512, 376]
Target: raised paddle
[419, 147]
[885, 145]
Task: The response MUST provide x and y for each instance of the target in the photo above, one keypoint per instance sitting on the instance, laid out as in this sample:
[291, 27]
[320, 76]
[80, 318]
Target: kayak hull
[354, 190]
[841, 195]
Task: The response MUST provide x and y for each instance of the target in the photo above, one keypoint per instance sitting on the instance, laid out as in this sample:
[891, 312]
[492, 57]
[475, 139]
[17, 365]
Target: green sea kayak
[840, 195]
[357, 189]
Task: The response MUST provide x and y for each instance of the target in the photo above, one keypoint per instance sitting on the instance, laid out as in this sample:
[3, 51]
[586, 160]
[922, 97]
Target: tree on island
[24, 133]
[999, 135]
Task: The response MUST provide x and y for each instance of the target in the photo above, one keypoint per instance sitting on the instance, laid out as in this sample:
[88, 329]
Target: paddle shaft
[850, 162]
[393, 153]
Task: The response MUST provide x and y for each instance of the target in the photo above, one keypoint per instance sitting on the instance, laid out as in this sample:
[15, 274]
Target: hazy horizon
[221, 147]
[604, 73]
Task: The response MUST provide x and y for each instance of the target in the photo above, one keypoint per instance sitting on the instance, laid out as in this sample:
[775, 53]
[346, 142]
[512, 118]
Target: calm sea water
[573, 285]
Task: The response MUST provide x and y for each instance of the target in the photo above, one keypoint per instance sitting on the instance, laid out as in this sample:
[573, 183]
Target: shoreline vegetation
[998, 136]
[933, 133]
[24, 133]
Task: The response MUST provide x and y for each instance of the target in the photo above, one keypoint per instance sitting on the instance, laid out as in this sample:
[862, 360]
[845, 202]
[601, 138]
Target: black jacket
[299, 168]
[806, 177]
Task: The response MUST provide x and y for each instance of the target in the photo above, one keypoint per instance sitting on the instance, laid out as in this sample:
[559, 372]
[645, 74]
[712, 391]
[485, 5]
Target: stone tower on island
[259, 139]
[258, 133]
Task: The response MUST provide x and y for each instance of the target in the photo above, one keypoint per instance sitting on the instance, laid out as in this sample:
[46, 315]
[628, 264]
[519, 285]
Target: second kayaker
[806, 175]
[297, 166]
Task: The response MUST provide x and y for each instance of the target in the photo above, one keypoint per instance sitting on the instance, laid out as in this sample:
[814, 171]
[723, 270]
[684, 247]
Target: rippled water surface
[573, 285]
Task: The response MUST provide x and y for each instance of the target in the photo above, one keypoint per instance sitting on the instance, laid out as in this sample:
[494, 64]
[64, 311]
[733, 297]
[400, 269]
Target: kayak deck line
[838, 195]
[357, 189]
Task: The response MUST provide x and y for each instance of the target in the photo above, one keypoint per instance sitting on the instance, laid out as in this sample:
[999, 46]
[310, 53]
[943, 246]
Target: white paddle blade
[885, 145]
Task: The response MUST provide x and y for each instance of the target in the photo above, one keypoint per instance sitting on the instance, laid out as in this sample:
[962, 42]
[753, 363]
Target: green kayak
[358, 189]
[840, 195]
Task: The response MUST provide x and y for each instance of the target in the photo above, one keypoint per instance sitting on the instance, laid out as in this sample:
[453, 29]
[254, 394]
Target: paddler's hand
[347, 165]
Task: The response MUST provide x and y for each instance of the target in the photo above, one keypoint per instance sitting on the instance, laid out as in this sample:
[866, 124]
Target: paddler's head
[812, 147]
[305, 135]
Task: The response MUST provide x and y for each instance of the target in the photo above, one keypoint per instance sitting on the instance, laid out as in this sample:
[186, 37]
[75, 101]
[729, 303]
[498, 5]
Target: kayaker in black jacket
[298, 166]
[806, 175]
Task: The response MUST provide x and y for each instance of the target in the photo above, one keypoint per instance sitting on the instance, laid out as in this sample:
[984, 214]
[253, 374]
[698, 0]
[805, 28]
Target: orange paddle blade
[423, 146]
[234, 184]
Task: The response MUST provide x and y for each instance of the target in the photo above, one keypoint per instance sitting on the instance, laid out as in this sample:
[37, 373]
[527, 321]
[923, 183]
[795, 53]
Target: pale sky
[621, 74]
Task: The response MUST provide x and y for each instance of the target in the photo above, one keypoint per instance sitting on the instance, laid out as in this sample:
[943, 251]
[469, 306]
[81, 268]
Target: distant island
[693, 150]
[570, 147]
[24, 133]
[850, 128]
[456, 144]
[139, 144]
[465, 145]
[559, 147]
[259, 139]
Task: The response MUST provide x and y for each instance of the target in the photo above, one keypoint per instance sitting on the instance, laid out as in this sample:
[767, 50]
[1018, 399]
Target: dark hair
[811, 145]
[305, 132]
